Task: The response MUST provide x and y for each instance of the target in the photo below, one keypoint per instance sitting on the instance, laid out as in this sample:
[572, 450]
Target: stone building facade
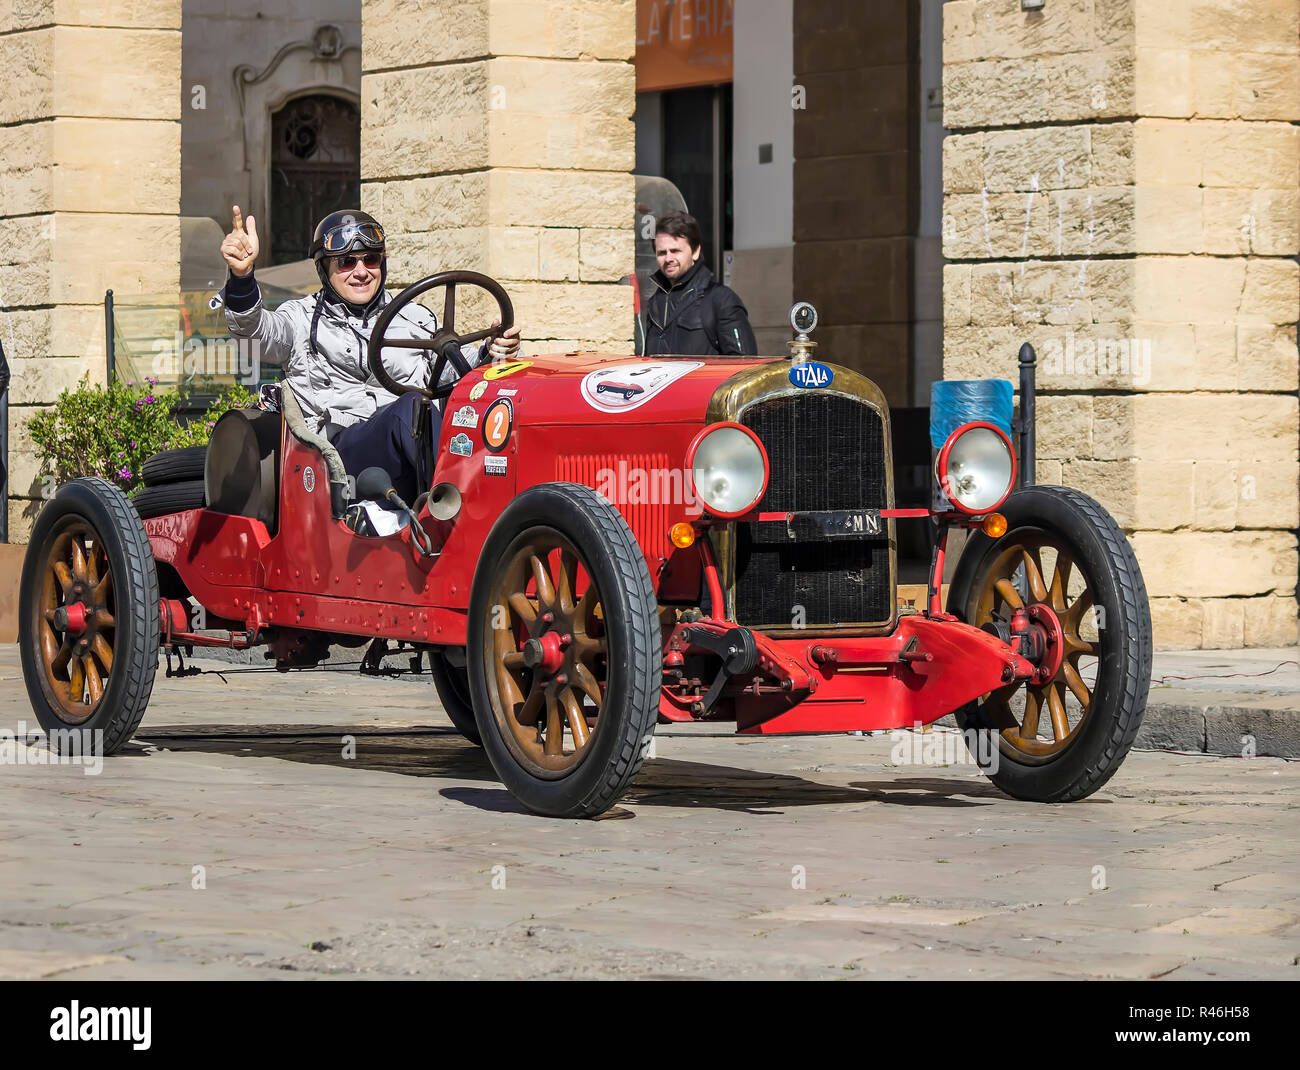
[1114, 181]
[1122, 189]
[497, 136]
[89, 192]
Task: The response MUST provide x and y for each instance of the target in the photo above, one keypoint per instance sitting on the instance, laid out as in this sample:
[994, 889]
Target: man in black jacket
[690, 313]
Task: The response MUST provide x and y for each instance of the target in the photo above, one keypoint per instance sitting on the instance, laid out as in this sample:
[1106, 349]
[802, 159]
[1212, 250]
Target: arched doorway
[315, 168]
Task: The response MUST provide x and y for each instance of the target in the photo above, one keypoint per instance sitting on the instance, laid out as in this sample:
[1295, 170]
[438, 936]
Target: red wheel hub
[1037, 635]
[71, 618]
[546, 652]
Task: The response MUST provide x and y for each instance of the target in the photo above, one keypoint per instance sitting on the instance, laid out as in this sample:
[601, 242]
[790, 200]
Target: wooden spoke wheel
[1035, 582]
[1061, 586]
[548, 646]
[564, 660]
[88, 627]
[76, 622]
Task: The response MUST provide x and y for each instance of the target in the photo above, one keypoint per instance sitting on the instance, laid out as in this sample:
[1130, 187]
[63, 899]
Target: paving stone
[386, 860]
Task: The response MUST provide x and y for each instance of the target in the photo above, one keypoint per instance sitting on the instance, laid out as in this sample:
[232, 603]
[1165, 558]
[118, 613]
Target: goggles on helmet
[339, 239]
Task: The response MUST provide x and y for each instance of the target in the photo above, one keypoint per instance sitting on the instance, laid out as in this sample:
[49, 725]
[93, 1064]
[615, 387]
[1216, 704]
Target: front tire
[1064, 560]
[88, 625]
[565, 662]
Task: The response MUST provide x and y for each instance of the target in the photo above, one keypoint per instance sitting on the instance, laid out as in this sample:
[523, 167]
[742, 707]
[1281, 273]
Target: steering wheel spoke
[449, 308]
[476, 336]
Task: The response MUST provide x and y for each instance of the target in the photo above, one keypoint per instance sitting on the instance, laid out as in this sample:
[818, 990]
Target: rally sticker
[502, 392]
[627, 386]
[461, 446]
[465, 416]
[497, 422]
[506, 367]
[810, 374]
[308, 480]
[494, 466]
[478, 390]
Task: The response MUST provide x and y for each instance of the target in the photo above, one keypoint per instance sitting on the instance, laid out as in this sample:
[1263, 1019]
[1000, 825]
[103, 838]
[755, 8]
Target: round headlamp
[976, 468]
[728, 467]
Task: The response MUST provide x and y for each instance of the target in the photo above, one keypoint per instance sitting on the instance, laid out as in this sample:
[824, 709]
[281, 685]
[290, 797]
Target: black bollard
[110, 357]
[1028, 364]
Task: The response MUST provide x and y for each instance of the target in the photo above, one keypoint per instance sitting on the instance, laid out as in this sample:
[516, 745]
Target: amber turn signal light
[995, 525]
[682, 535]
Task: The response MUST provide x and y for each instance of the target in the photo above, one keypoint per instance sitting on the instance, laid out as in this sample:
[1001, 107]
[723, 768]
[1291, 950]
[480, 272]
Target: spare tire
[174, 466]
[170, 498]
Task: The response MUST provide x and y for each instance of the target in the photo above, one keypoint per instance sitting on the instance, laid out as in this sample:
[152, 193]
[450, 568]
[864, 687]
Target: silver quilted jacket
[334, 385]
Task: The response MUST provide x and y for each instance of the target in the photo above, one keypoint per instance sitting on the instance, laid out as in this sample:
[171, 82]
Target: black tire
[169, 498]
[622, 642]
[452, 685]
[1075, 764]
[96, 517]
[174, 466]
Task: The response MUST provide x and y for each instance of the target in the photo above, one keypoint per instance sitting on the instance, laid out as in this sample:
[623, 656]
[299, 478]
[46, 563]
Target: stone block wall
[497, 136]
[89, 193]
[1122, 190]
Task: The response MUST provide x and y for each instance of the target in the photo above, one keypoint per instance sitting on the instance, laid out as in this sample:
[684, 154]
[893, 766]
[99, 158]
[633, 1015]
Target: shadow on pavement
[667, 782]
[422, 752]
[443, 752]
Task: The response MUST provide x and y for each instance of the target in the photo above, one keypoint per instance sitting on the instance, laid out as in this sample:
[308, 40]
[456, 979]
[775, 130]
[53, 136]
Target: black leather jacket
[697, 316]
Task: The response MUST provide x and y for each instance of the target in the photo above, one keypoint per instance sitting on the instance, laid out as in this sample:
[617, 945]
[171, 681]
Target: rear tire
[1097, 596]
[452, 685]
[169, 498]
[88, 624]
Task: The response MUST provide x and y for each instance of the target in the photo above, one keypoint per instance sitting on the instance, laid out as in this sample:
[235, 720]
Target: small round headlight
[728, 467]
[977, 468]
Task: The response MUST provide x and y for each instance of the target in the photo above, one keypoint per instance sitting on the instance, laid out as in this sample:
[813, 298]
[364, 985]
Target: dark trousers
[387, 440]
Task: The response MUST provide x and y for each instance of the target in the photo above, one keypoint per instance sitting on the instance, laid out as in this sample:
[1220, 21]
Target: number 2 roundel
[497, 424]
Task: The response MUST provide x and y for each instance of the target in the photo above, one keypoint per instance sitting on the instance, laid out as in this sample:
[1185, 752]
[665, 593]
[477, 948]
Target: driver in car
[321, 343]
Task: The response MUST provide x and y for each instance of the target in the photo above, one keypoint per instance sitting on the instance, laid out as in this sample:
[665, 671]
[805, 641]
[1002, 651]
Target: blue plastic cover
[954, 402]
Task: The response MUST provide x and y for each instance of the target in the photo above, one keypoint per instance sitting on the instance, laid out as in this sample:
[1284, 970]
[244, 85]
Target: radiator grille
[649, 503]
[827, 452]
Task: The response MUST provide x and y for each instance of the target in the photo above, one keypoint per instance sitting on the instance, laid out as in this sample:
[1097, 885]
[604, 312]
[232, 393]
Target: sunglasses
[347, 263]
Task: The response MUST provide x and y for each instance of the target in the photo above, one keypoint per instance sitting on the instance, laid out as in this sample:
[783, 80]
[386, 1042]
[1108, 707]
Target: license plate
[834, 524]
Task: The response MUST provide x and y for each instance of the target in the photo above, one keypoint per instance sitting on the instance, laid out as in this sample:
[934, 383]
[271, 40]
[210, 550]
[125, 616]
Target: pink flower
[124, 473]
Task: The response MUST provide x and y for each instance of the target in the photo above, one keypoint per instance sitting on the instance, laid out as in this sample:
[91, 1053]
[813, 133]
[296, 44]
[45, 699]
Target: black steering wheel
[445, 341]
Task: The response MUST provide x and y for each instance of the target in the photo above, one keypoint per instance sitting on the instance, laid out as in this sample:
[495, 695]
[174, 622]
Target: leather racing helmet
[348, 230]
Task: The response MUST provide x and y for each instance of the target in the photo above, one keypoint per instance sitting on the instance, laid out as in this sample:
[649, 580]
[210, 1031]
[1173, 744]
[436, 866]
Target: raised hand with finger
[240, 247]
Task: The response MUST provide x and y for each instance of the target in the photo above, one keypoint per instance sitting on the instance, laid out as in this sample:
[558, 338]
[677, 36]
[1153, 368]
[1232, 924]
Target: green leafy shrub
[111, 431]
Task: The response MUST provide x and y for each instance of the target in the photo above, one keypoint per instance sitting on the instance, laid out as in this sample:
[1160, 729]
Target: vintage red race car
[720, 546]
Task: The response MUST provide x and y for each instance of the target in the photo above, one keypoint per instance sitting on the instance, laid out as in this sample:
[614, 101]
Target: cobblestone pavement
[809, 857]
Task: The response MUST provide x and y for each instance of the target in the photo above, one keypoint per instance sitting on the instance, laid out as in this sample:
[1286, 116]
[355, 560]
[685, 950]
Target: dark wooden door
[315, 169]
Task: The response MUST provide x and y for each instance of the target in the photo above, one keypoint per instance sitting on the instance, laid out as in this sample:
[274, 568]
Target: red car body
[315, 575]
